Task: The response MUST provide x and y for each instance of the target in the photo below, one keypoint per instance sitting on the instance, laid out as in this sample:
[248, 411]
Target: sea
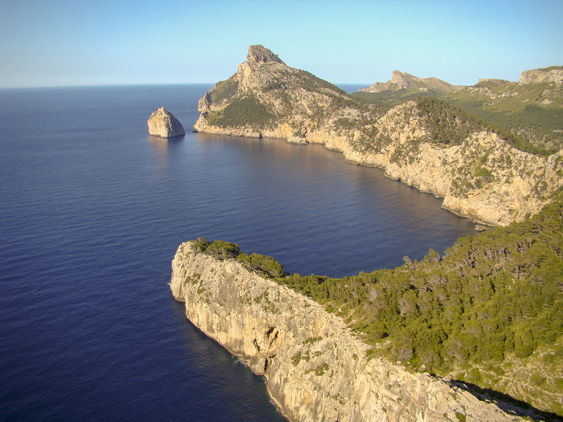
[92, 210]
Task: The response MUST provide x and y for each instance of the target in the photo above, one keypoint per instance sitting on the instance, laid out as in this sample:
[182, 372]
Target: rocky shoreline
[483, 177]
[316, 369]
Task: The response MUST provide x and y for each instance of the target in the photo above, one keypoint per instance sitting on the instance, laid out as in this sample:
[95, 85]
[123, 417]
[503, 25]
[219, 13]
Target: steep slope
[427, 144]
[316, 369]
[531, 109]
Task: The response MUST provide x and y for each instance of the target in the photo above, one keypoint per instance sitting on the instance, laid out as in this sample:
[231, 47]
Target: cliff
[552, 74]
[164, 124]
[315, 368]
[431, 146]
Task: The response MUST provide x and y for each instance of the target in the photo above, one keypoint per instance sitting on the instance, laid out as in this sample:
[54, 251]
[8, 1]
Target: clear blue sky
[101, 42]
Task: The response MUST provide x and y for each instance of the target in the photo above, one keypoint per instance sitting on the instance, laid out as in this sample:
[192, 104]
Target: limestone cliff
[315, 368]
[552, 74]
[164, 124]
[479, 174]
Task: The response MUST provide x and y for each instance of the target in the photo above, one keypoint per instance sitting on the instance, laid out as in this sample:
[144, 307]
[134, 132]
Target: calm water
[92, 210]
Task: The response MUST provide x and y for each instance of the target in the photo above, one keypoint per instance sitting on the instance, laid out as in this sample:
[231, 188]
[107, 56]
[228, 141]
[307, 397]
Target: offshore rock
[164, 124]
[297, 140]
[316, 369]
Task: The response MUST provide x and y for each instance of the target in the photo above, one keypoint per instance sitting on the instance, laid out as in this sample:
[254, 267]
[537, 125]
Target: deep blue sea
[92, 210]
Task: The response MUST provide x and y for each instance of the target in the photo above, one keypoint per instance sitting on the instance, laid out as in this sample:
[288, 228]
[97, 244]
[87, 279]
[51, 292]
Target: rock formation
[552, 74]
[403, 80]
[480, 175]
[316, 369]
[163, 123]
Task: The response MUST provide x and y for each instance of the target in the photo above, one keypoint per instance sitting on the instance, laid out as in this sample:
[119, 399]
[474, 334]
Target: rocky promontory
[316, 369]
[164, 124]
[404, 80]
[552, 74]
[425, 143]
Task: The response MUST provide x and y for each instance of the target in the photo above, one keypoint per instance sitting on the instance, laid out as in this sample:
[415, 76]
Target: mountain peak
[404, 80]
[258, 55]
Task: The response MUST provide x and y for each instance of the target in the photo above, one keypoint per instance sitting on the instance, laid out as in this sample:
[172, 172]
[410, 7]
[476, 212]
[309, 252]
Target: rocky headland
[164, 124]
[403, 80]
[425, 143]
[552, 74]
[316, 369]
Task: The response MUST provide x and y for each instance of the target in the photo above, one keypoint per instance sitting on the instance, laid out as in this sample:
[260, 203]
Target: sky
[100, 42]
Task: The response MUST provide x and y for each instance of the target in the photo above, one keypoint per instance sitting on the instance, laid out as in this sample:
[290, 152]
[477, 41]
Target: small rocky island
[164, 124]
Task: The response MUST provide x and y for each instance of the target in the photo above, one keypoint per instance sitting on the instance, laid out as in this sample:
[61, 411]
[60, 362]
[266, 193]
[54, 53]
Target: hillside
[482, 172]
[531, 109]
[405, 81]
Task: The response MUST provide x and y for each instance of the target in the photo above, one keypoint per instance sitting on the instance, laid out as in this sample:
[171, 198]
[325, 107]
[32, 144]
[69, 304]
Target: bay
[92, 210]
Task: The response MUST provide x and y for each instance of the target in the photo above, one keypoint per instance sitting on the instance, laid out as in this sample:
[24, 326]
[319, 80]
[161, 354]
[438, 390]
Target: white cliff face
[315, 368]
[550, 75]
[519, 183]
[164, 124]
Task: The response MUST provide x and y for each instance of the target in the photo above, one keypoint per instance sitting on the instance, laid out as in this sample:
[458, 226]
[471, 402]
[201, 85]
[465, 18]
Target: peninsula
[474, 335]
[482, 173]
[316, 369]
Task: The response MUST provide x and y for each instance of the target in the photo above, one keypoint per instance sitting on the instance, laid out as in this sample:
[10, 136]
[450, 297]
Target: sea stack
[163, 123]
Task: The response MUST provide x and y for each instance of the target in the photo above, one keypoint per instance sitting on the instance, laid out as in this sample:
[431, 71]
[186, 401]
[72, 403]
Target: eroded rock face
[552, 74]
[164, 124]
[316, 369]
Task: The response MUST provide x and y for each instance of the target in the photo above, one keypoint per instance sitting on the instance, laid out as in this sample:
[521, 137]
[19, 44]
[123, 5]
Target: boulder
[163, 123]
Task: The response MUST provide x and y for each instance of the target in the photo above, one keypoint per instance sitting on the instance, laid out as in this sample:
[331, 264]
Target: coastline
[315, 368]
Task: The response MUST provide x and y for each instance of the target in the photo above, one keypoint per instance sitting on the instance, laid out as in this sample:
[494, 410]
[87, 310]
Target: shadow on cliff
[506, 402]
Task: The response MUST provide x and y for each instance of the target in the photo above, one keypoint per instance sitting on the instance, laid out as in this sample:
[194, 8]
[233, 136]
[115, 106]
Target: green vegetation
[295, 78]
[491, 296]
[517, 109]
[448, 124]
[526, 115]
[244, 111]
[395, 97]
[224, 90]
[261, 264]
[490, 306]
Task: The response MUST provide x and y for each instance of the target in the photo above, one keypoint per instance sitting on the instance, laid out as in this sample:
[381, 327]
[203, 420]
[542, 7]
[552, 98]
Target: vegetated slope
[268, 98]
[531, 110]
[315, 368]
[482, 172]
[488, 313]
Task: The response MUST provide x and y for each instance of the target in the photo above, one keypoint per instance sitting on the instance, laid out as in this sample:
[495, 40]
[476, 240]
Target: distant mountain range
[403, 80]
